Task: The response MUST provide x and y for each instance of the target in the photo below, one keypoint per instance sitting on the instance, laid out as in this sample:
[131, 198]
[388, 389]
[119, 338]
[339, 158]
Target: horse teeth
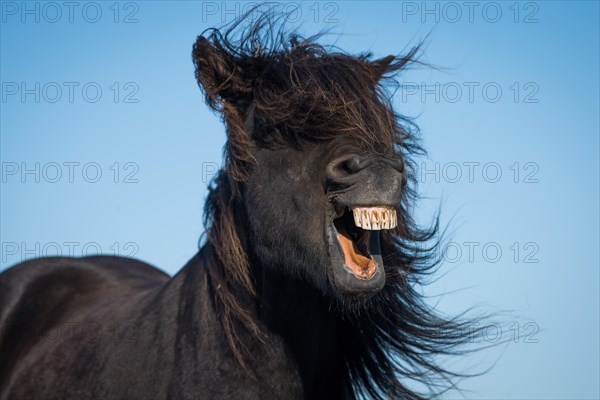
[375, 218]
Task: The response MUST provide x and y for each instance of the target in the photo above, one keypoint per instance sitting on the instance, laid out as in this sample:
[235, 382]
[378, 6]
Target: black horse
[307, 283]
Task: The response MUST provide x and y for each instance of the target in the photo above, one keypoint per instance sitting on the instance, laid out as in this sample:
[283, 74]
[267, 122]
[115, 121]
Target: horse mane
[328, 94]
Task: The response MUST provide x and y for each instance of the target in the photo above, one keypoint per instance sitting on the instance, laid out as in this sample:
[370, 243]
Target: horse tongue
[362, 266]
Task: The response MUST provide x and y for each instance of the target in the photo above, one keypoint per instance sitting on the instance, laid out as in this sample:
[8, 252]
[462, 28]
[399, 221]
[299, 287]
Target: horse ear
[218, 72]
[227, 87]
[382, 66]
[391, 64]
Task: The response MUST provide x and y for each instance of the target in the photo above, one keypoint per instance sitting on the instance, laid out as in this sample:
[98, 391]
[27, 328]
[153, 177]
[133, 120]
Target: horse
[307, 283]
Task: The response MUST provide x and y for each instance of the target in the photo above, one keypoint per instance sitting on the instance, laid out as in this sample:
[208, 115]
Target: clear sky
[106, 145]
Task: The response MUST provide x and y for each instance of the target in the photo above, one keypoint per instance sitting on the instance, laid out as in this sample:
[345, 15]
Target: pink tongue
[362, 266]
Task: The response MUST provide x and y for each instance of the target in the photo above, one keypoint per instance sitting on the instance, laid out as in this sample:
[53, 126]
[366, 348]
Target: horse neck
[298, 315]
[304, 318]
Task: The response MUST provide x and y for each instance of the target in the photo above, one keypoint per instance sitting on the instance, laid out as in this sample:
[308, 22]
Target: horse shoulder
[39, 295]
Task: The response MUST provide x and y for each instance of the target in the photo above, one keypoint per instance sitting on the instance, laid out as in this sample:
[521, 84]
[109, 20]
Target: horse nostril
[348, 165]
[352, 164]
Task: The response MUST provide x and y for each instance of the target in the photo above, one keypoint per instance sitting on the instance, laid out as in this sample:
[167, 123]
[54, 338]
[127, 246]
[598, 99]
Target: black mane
[398, 336]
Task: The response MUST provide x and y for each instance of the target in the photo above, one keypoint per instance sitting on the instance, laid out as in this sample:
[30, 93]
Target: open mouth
[357, 230]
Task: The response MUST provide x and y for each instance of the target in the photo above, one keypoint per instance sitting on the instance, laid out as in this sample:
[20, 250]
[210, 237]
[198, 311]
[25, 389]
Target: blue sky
[106, 145]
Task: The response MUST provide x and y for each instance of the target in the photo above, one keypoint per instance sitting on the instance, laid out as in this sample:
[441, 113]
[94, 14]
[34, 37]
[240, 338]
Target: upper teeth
[375, 218]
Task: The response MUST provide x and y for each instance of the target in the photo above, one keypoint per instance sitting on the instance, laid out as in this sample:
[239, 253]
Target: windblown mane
[328, 94]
